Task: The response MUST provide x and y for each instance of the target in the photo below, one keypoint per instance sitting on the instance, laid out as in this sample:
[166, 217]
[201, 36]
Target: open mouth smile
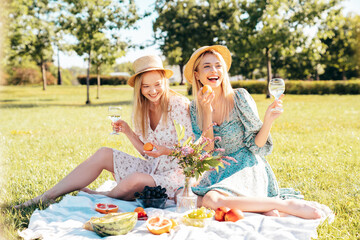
[213, 78]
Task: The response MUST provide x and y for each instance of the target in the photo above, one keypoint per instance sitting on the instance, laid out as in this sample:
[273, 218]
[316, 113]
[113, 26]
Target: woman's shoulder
[242, 95]
[177, 98]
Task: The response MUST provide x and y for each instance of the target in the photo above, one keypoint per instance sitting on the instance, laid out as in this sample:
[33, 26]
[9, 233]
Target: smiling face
[152, 86]
[210, 71]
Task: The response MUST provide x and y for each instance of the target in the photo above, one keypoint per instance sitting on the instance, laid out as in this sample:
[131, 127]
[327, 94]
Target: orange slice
[159, 225]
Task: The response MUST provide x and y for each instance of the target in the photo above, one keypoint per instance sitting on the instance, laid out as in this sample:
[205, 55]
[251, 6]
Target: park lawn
[45, 134]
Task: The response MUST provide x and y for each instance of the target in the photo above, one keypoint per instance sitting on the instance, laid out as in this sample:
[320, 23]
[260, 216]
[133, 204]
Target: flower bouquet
[194, 160]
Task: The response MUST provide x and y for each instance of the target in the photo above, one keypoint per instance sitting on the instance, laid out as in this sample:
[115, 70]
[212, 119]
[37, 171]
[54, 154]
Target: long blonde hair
[226, 99]
[142, 104]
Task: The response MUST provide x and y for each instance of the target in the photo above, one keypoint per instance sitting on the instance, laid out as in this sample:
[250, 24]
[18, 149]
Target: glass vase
[186, 200]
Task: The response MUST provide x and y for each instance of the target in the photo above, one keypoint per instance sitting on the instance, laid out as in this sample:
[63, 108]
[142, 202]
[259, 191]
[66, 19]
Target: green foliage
[105, 80]
[66, 76]
[31, 32]
[124, 67]
[97, 25]
[183, 26]
[340, 35]
[300, 87]
[315, 145]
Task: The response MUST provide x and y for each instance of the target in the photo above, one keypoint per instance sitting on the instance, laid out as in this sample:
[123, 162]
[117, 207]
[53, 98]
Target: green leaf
[180, 131]
[187, 141]
[197, 175]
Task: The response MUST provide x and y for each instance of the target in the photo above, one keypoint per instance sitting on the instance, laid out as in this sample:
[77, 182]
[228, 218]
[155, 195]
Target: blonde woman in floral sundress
[155, 109]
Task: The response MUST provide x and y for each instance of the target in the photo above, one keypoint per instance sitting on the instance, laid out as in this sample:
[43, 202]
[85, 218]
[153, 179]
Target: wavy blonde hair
[227, 97]
[142, 104]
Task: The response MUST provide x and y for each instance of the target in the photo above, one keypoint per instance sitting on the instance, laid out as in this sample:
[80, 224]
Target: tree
[184, 26]
[31, 32]
[339, 34]
[86, 19]
[271, 27]
[106, 53]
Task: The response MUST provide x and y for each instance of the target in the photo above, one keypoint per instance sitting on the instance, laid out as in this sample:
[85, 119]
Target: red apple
[220, 213]
[234, 215]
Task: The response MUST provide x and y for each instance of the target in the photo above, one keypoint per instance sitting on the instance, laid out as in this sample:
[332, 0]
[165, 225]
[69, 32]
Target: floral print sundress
[164, 171]
[251, 175]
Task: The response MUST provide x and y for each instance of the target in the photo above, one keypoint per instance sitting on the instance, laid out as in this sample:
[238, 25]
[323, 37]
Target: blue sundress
[251, 175]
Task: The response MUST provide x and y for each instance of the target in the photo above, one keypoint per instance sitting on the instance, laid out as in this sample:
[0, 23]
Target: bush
[301, 87]
[104, 80]
[23, 76]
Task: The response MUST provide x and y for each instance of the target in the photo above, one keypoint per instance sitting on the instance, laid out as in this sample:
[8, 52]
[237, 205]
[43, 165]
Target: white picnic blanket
[64, 220]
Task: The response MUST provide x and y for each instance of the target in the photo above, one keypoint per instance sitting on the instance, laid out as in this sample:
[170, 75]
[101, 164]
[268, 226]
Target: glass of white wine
[277, 88]
[114, 113]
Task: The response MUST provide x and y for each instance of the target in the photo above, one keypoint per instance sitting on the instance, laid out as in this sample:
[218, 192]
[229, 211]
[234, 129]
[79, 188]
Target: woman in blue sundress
[249, 184]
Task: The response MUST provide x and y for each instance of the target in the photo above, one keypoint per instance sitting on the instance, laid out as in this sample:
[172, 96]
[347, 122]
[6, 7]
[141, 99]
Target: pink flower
[230, 158]
[224, 162]
[186, 150]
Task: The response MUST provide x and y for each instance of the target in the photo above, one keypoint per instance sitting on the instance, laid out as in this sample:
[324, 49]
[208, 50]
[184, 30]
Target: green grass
[44, 135]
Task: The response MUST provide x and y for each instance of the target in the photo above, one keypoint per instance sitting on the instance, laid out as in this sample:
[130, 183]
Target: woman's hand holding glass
[120, 126]
[276, 89]
[272, 111]
[114, 114]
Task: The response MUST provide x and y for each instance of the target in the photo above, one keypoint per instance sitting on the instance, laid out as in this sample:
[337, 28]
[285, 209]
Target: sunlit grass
[45, 134]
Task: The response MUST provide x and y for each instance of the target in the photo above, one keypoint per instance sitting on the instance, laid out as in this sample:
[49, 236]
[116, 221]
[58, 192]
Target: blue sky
[145, 33]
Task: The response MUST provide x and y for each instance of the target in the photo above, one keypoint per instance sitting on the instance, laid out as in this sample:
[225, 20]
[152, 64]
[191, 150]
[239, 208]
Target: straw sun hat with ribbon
[224, 52]
[146, 64]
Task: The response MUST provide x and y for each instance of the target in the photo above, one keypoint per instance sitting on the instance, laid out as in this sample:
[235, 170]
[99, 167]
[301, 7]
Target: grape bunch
[151, 192]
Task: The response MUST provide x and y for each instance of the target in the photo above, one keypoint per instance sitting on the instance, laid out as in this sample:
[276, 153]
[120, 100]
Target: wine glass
[277, 88]
[114, 113]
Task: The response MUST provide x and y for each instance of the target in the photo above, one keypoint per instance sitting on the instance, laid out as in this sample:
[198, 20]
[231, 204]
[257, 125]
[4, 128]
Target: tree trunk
[98, 81]
[181, 74]
[268, 65]
[88, 81]
[43, 72]
[59, 71]
[343, 76]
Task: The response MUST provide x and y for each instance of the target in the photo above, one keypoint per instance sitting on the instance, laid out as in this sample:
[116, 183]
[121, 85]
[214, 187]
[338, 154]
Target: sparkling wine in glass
[277, 88]
[114, 113]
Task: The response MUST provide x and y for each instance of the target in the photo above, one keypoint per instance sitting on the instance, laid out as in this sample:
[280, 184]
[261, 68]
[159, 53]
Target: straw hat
[146, 64]
[224, 52]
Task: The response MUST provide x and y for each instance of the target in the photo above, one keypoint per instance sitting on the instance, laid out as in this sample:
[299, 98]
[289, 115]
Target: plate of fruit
[199, 217]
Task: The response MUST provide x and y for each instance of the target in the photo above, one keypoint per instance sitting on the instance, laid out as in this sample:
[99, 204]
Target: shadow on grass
[32, 105]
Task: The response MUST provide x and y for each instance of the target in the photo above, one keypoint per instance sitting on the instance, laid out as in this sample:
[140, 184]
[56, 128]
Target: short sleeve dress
[251, 175]
[164, 171]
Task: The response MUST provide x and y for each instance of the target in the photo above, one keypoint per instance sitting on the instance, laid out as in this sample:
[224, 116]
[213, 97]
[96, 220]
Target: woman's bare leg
[126, 188]
[299, 208]
[80, 177]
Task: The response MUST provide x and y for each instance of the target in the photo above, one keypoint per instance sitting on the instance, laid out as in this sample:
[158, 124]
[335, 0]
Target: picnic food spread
[106, 208]
[114, 223]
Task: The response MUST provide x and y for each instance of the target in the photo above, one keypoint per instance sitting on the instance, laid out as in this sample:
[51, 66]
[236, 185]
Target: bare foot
[43, 199]
[302, 208]
[272, 213]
